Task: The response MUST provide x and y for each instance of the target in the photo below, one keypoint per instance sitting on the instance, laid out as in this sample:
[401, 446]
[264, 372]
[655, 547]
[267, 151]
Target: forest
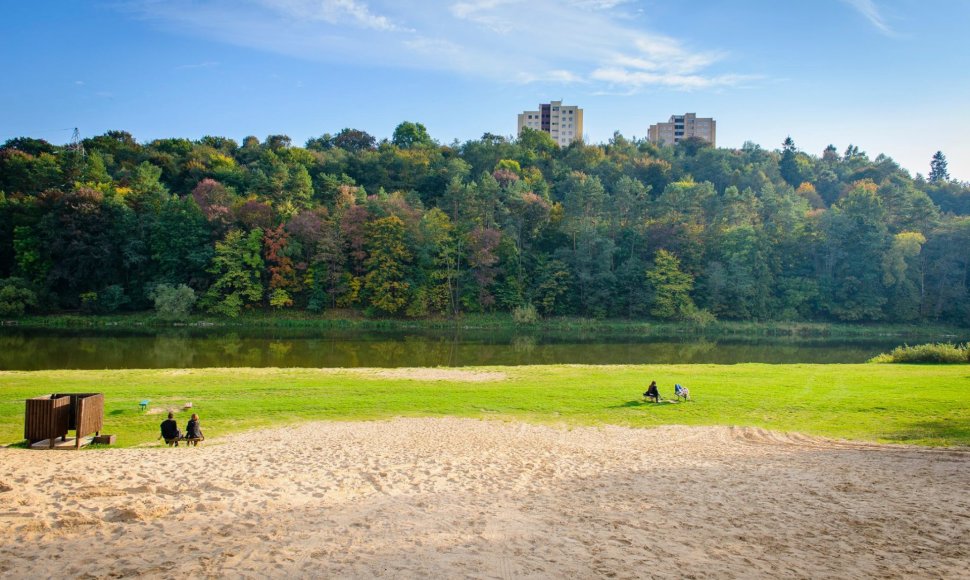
[407, 227]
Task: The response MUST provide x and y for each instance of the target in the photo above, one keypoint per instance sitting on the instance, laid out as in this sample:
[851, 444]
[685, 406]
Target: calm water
[34, 349]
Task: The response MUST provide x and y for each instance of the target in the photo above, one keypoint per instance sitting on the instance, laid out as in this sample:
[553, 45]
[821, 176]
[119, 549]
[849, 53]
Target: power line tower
[75, 145]
[73, 160]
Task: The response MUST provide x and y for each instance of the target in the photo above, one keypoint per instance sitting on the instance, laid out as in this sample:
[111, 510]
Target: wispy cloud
[590, 42]
[619, 76]
[206, 64]
[871, 12]
[332, 12]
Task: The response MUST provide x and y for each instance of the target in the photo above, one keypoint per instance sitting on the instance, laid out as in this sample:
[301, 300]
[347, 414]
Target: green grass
[925, 405]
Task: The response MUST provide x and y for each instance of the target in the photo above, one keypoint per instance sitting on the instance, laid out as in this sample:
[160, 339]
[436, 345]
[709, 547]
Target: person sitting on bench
[170, 430]
[193, 433]
[652, 394]
[681, 392]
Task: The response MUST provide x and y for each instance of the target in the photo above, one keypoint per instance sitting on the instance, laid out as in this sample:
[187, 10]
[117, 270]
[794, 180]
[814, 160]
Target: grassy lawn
[920, 404]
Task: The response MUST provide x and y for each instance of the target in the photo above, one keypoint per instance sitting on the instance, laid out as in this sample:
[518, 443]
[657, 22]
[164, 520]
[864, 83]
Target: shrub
[280, 298]
[933, 353]
[526, 314]
[173, 302]
[15, 297]
[701, 317]
[111, 299]
[89, 302]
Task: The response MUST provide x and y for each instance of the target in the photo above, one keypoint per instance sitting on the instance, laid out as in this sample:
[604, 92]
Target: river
[35, 349]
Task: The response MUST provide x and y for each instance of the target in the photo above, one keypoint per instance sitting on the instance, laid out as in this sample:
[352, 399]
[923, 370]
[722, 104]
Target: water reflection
[34, 349]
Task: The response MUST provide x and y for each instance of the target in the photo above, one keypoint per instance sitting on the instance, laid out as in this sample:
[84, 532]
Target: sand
[449, 498]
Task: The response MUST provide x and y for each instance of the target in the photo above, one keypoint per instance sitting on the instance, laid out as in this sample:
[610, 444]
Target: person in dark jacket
[193, 432]
[170, 430]
[652, 394]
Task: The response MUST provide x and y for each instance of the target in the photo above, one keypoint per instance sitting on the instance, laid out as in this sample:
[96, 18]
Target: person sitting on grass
[681, 392]
[193, 433]
[652, 394]
[170, 430]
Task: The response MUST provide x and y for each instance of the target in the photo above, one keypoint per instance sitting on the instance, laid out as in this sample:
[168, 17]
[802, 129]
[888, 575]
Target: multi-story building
[563, 123]
[681, 127]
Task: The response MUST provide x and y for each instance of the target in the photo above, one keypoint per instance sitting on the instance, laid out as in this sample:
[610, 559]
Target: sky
[884, 75]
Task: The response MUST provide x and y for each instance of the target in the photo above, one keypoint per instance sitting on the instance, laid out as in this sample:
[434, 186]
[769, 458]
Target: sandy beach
[445, 498]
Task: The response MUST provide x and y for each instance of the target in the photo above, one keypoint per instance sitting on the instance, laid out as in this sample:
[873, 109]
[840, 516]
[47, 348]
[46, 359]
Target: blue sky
[885, 75]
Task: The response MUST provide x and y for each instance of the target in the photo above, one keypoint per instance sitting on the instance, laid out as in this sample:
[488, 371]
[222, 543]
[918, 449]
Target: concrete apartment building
[563, 123]
[681, 127]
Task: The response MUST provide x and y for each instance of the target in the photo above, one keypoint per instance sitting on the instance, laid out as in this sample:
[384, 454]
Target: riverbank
[469, 498]
[919, 404]
[350, 319]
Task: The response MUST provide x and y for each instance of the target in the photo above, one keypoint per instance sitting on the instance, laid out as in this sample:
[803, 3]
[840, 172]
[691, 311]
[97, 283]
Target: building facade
[563, 123]
[682, 127]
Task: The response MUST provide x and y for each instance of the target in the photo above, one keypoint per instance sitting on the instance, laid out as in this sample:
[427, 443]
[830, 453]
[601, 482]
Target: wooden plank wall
[90, 414]
[47, 417]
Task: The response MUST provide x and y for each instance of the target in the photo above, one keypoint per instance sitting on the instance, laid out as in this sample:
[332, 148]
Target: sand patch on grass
[438, 374]
[464, 498]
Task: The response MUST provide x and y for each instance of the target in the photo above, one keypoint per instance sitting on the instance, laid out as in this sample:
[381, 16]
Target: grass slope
[926, 405]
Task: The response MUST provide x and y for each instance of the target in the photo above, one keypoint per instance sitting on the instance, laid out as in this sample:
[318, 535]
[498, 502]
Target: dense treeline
[407, 227]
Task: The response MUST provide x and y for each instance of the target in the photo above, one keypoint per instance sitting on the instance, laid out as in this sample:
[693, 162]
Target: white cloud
[625, 77]
[332, 12]
[593, 42]
[206, 64]
[598, 4]
[870, 11]
[486, 14]
[552, 76]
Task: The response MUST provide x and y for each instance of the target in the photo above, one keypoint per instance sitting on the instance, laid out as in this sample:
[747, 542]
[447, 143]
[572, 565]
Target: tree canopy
[407, 227]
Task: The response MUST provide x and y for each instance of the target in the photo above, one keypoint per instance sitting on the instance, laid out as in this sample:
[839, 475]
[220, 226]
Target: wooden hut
[52, 416]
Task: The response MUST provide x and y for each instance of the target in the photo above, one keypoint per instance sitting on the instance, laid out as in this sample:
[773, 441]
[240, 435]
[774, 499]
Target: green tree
[903, 274]
[179, 243]
[146, 186]
[237, 267]
[408, 135]
[88, 240]
[742, 281]
[551, 282]
[947, 252]
[388, 256]
[938, 171]
[354, 140]
[793, 166]
[442, 255]
[671, 288]
[856, 240]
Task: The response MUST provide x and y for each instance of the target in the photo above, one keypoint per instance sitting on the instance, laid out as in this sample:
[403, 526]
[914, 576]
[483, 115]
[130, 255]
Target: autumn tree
[283, 283]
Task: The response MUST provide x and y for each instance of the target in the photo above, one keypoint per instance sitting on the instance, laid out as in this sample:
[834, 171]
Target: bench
[194, 441]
